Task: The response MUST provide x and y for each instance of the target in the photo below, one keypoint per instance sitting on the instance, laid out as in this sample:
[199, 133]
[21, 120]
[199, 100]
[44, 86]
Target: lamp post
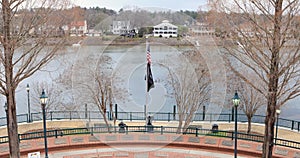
[5, 108]
[277, 112]
[28, 103]
[236, 100]
[43, 100]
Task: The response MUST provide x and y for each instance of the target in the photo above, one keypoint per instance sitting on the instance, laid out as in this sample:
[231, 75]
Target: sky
[116, 5]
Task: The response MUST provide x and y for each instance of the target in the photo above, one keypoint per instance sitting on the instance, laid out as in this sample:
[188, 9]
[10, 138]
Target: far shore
[121, 41]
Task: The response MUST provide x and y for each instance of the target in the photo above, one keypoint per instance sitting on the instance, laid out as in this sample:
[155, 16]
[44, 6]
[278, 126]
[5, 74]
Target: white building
[202, 29]
[120, 27]
[165, 29]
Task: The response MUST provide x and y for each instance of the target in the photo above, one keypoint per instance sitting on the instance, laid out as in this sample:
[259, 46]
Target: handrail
[159, 116]
[150, 129]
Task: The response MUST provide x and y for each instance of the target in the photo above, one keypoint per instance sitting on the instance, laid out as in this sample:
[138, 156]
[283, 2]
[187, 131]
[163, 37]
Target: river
[129, 62]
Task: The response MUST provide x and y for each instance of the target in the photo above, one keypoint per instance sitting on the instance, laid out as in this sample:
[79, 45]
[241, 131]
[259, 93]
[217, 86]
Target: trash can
[122, 126]
[215, 128]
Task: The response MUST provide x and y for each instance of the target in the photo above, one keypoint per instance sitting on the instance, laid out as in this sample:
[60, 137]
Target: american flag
[148, 55]
[150, 83]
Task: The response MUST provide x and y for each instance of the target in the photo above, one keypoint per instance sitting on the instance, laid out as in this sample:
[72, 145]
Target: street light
[43, 100]
[277, 112]
[5, 108]
[28, 103]
[236, 101]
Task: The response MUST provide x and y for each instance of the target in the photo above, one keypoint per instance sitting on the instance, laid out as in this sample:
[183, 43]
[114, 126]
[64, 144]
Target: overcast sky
[116, 5]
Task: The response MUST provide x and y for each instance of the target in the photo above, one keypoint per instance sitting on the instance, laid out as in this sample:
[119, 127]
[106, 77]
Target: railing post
[126, 129]
[161, 130]
[203, 113]
[174, 112]
[116, 110]
[92, 131]
[85, 109]
[232, 135]
[293, 122]
[51, 117]
[169, 116]
[197, 132]
[70, 115]
[298, 126]
[130, 116]
[56, 133]
[89, 116]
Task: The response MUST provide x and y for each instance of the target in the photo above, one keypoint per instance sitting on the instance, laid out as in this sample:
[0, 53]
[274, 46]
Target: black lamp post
[28, 103]
[5, 108]
[43, 100]
[236, 100]
[277, 112]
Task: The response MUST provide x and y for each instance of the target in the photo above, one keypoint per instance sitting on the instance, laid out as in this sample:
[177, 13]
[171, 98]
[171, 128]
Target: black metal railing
[150, 129]
[159, 116]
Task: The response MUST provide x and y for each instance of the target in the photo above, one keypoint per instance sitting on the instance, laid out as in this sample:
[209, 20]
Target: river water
[129, 63]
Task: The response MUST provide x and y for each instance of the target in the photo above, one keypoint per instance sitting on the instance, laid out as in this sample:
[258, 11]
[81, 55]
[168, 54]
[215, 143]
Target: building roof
[78, 23]
[165, 23]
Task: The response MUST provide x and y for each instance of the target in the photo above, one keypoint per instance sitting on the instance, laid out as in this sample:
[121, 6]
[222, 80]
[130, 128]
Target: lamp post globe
[236, 101]
[43, 100]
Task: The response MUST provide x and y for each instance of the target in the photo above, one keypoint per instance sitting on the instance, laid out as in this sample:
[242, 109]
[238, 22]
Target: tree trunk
[106, 122]
[180, 119]
[12, 126]
[249, 124]
[273, 83]
[269, 129]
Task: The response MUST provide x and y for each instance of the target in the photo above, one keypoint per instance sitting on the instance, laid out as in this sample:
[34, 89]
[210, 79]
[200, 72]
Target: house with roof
[165, 29]
[77, 28]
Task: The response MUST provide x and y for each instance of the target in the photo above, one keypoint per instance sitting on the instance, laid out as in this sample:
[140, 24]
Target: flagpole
[146, 104]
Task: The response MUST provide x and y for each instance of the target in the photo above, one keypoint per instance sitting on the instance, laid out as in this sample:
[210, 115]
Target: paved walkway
[140, 152]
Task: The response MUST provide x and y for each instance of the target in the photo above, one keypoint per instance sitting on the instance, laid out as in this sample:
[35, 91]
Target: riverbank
[119, 41]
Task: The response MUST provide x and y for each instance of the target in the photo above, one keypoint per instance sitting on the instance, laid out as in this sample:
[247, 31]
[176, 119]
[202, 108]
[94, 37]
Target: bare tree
[95, 86]
[23, 55]
[190, 87]
[52, 92]
[264, 41]
[251, 100]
